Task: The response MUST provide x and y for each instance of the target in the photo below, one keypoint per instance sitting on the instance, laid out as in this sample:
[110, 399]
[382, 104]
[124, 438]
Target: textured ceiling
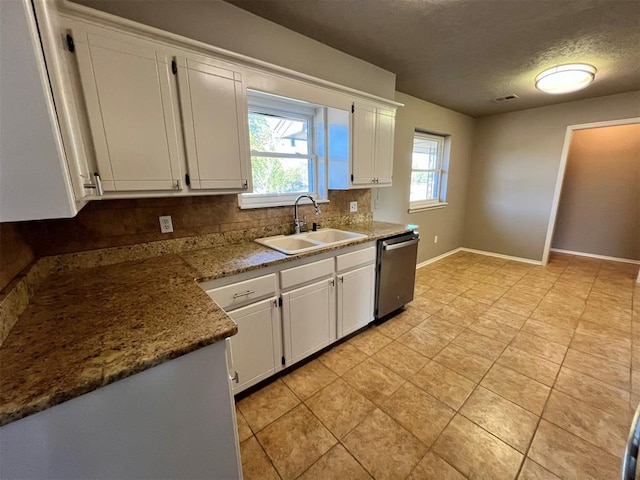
[462, 54]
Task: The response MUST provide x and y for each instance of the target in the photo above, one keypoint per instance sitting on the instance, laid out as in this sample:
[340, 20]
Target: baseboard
[500, 255]
[435, 259]
[599, 257]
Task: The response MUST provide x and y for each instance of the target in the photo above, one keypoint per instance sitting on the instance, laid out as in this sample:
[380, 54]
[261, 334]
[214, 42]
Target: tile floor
[496, 370]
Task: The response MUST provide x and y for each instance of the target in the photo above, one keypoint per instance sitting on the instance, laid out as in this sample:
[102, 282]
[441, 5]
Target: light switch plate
[166, 225]
[353, 207]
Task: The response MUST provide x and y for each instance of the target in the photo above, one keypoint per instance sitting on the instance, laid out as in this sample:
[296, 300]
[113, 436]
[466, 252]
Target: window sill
[277, 203]
[422, 208]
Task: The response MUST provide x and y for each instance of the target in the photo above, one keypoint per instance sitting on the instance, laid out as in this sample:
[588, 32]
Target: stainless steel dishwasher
[396, 272]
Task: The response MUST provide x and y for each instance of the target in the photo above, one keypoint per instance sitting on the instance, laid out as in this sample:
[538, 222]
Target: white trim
[500, 255]
[439, 257]
[434, 206]
[561, 170]
[66, 7]
[599, 257]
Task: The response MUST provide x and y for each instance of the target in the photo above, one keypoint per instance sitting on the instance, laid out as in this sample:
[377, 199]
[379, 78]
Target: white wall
[514, 169]
[393, 203]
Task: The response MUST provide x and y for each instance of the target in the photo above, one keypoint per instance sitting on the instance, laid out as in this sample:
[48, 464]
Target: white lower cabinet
[355, 299]
[286, 315]
[255, 349]
[308, 315]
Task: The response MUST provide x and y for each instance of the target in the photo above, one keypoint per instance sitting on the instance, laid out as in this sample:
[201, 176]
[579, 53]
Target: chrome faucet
[297, 223]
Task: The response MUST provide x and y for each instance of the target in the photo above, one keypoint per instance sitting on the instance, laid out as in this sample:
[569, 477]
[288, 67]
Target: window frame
[441, 170]
[272, 105]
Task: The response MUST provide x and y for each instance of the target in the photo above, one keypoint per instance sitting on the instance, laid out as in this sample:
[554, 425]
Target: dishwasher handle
[387, 246]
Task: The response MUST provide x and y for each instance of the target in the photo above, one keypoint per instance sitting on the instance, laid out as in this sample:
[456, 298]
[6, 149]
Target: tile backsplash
[112, 223]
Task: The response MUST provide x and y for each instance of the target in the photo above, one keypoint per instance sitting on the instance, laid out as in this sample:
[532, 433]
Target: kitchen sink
[304, 242]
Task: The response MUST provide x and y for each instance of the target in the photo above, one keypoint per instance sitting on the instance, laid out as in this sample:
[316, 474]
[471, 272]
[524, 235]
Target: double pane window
[426, 170]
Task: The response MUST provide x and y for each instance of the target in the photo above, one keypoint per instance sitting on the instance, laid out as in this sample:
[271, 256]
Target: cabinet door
[363, 128]
[255, 349]
[127, 90]
[385, 129]
[355, 299]
[213, 104]
[308, 315]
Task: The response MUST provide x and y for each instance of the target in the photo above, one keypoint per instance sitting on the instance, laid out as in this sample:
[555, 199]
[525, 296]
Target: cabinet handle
[235, 378]
[332, 282]
[243, 294]
[97, 185]
[341, 279]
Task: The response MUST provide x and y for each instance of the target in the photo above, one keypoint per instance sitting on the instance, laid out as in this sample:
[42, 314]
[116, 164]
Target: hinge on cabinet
[178, 185]
[245, 185]
[280, 301]
[353, 108]
[174, 67]
[70, 45]
[282, 360]
[352, 177]
[187, 179]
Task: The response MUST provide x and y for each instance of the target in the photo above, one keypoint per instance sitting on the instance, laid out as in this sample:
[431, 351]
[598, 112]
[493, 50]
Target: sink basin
[331, 235]
[304, 242]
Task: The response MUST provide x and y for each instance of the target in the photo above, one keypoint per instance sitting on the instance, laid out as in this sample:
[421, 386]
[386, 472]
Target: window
[284, 160]
[428, 176]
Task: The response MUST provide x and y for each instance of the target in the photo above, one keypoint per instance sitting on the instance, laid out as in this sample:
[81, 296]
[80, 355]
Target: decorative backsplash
[112, 223]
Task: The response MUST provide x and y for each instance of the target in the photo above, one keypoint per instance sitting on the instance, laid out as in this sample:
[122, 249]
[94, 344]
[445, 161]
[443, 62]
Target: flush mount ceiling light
[565, 78]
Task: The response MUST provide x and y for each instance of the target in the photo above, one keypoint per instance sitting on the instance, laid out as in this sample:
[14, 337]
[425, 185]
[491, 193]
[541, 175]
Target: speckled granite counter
[86, 328]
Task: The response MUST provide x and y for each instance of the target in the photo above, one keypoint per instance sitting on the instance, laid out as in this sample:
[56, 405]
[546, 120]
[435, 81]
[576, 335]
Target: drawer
[241, 293]
[306, 273]
[355, 259]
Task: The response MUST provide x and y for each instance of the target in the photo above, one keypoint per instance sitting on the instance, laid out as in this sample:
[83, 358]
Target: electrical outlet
[435, 239]
[166, 225]
[353, 207]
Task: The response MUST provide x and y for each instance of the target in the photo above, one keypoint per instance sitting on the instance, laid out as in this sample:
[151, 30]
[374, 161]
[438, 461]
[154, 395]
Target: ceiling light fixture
[565, 78]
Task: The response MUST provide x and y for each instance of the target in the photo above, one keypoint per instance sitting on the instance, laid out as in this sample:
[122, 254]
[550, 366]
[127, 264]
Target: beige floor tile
[420, 413]
[267, 404]
[492, 329]
[571, 457]
[476, 453]
[598, 368]
[614, 350]
[463, 362]
[295, 441]
[459, 317]
[510, 423]
[551, 315]
[336, 464]
[606, 330]
[383, 447]
[532, 471]
[340, 407]
[423, 342]
[594, 392]
[530, 365]
[596, 426]
[517, 388]
[519, 288]
[440, 295]
[433, 467]
[244, 431]
[479, 344]
[470, 307]
[396, 326]
[401, 359]
[553, 333]
[412, 316]
[427, 305]
[255, 463]
[440, 328]
[539, 346]
[342, 358]
[455, 286]
[446, 385]
[504, 317]
[370, 341]
[308, 379]
[373, 380]
[485, 293]
[484, 268]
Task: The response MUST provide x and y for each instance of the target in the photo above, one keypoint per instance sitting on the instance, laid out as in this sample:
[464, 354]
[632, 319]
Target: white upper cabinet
[127, 86]
[214, 115]
[372, 130]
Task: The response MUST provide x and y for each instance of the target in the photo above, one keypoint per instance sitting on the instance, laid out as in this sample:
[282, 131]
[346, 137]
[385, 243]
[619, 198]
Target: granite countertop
[90, 327]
